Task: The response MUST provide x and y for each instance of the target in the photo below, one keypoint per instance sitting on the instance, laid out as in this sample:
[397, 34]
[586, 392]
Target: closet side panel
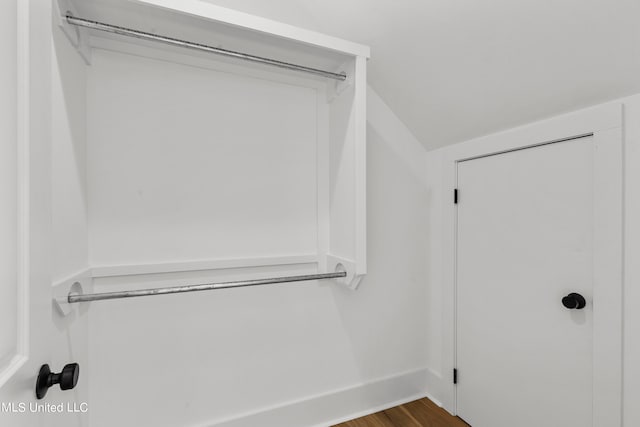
[188, 163]
[69, 217]
[342, 176]
[69, 168]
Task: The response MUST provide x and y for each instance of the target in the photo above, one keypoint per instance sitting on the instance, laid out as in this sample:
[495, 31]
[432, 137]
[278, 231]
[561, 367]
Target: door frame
[21, 354]
[604, 123]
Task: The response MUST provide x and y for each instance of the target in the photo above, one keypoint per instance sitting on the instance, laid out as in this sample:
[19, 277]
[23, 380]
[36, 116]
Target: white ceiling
[452, 70]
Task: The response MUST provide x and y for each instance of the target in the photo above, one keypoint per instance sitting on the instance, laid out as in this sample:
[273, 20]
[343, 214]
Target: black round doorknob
[67, 379]
[574, 301]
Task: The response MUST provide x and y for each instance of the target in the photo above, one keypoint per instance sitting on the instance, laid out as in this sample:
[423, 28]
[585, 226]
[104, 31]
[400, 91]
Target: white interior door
[25, 213]
[525, 241]
[16, 373]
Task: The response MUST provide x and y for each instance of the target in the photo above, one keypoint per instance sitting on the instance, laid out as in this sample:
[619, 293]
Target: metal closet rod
[101, 26]
[75, 298]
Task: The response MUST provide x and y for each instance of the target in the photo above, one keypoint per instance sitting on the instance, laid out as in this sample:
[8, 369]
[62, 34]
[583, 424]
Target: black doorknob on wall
[67, 379]
[574, 301]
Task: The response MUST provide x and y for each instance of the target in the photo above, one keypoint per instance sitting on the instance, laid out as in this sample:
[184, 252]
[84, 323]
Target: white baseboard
[434, 385]
[337, 406]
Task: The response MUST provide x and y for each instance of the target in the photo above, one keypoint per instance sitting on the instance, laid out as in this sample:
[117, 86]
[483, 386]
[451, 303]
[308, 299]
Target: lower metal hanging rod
[109, 28]
[74, 298]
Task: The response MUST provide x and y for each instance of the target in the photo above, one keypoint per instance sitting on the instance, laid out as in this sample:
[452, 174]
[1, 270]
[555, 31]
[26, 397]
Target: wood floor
[419, 413]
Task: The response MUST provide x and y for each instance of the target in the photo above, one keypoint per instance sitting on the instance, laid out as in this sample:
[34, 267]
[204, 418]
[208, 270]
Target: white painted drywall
[151, 200]
[631, 352]
[202, 359]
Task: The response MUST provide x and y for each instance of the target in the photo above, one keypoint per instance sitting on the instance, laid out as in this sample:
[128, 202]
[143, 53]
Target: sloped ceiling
[452, 70]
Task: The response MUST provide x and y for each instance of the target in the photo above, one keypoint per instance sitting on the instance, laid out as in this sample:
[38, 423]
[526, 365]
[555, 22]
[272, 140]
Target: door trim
[605, 124]
[22, 165]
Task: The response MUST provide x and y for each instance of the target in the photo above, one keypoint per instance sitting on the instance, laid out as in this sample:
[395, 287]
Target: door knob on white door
[574, 301]
[67, 379]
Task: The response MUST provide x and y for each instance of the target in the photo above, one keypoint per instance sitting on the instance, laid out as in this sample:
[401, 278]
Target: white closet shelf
[172, 41]
[262, 25]
[198, 25]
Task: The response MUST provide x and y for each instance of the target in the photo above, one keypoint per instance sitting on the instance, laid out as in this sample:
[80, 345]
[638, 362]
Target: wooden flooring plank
[419, 413]
[401, 417]
[374, 420]
[431, 415]
[425, 415]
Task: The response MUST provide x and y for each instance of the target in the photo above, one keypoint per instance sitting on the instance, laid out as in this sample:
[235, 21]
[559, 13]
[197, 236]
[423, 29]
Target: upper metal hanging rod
[100, 26]
[74, 298]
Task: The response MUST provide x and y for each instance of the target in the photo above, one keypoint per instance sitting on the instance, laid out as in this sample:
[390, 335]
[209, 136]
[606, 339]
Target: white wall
[298, 354]
[255, 173]
[631, 352]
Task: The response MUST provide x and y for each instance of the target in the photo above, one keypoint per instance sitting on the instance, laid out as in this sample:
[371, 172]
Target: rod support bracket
[335, 90]
[343, 85]
[73, 285]
[78, 37]
[338, 264]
